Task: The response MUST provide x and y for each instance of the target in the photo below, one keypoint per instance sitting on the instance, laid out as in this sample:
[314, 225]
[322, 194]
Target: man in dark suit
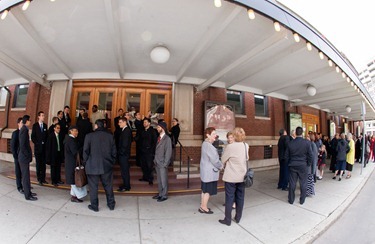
[99, 155]
[148, 140]
[84, 127]
[14, 145]
[117, 126]
[25, 157]
[124, 146]
[55, 155]
[39, 137]
[283, 172]
[138, 123]
[163, 154]
[299, 157]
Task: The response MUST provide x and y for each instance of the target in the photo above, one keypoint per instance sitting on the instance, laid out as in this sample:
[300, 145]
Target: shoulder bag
[249, 176]
[80, 177]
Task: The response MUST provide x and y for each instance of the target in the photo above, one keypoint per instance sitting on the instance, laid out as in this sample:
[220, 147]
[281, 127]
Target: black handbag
[249, 176]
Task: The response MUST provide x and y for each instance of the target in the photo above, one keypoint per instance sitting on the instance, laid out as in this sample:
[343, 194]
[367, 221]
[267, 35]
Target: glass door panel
[158, 106]
[82, 98]
[105, 104]
[83, 102]
[133, 104]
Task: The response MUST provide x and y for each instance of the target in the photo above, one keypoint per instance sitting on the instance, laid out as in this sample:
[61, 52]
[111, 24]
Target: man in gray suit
[99, 155]
[163, 153]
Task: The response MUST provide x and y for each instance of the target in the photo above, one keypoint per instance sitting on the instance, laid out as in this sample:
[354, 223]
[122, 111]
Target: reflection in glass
[83, 100]
[133, 103]
[105, 106]
[156, 108]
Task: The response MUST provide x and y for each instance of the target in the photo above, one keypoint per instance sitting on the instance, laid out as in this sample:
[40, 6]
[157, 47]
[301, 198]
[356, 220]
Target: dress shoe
[285, 189]
[31, 198]
[142, 179]
[151, 183]
[121, 189]
[334, 178]
[33, 194]
[93, 208]
[236, 220]
[156, 197]
[55, 184]
[162, 199]
[111, 207]
[20, 190]
[60, 182]
[75, 199]
[40, 183]
[44, 182]
[222, 221]
[204, 211]
[290, 202]
[301, 202]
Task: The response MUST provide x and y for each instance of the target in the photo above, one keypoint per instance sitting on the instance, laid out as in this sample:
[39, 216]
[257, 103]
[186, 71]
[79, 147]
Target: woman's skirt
[310, 185]
[79, 192]
[209, 187]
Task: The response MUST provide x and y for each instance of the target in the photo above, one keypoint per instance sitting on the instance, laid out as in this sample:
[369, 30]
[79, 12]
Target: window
[261, 105]
[20, 95]
[235, 99]
[3, 97]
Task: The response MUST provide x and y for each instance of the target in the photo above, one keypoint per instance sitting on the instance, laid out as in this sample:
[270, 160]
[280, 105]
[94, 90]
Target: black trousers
[332, 166]
[107, 182]
[138, 152]
[40, 166]
[297, 173]
[125, 171]
[55, 172]
[25, 171]
[17, 171]
[147, 166]
[283, 175]
[234, 192]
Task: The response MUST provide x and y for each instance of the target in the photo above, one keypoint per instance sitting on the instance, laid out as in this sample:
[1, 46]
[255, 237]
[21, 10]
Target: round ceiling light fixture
[348, 108]
[311, 90]
[160, 55]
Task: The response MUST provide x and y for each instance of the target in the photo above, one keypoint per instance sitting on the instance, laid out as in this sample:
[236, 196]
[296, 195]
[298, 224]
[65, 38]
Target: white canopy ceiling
[209, 46]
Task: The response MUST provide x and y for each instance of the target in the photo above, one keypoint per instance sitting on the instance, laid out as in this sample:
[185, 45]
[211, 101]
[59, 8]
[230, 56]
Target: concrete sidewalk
[267, 217]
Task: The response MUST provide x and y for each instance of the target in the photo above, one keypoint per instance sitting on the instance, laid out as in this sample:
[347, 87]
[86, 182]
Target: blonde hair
[239, 134]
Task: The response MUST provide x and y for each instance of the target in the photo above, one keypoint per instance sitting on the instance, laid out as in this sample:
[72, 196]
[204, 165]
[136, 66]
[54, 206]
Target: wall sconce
[296, 37]
[309, 46]
[348, 108]
[277, 26]
[321, 55]
[160, 55]
[217, 3]
[311, 90]
[251, 13]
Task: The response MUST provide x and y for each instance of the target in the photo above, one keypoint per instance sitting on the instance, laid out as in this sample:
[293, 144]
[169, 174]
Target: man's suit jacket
[163, 152]
[53, 156]
[125, 140]
[15, 143]
[299, 153]
[39, 137]
[99, 152]
[24, 152]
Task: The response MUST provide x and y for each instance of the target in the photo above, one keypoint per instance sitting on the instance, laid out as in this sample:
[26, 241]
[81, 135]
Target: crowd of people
[91, 142]
[305, 159]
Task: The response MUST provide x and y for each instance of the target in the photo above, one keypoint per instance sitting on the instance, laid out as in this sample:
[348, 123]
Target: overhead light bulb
[277, 26]
[337, 69]
[348, 79]
[217, 3]
[4, 14]
[25, 5]
[321, 55]
[348, 108]
[309, 46]
[343, 75]
[330, 63]
[296, 37]
[311, 90]
[251, 13]
[352, 83]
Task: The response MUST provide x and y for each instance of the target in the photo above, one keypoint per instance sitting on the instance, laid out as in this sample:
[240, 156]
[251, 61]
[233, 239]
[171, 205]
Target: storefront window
[261, 105]
[235, 99]
[3, 97]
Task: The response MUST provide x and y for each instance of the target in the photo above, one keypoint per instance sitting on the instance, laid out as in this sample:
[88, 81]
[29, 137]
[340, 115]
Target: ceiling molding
[115, 33]
[302, 94]
[284, 53]
[269, 42]
[21, 70]
[208, 38]
[52, 56]
[300, 79]
[322, 100]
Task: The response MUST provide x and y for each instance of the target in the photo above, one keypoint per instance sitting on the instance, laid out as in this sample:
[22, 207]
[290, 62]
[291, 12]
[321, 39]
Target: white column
[59, 92]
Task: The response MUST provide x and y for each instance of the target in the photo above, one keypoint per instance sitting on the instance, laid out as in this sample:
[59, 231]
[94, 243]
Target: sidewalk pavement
[267, 217]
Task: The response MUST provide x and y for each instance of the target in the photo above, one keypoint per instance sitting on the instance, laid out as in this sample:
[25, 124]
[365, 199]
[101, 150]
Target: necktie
[41, 127]
[58, 142]
[159, 139]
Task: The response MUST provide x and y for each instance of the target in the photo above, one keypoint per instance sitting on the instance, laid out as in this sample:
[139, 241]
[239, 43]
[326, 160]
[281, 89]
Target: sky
[349, 27]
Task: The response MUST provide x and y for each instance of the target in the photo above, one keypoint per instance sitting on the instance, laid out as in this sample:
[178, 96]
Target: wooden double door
[143, 97]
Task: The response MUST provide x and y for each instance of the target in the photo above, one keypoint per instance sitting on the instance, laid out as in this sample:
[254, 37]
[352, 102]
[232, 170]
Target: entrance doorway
[150, 99]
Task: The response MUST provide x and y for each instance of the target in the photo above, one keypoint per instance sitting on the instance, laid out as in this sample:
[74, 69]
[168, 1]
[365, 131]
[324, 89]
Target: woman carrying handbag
[71, 159]
[234, 159]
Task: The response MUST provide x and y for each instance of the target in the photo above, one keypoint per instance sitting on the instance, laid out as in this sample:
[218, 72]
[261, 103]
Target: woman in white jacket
[234, 160]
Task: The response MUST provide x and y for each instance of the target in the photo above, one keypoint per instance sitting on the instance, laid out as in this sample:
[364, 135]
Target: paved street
[357, 224]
